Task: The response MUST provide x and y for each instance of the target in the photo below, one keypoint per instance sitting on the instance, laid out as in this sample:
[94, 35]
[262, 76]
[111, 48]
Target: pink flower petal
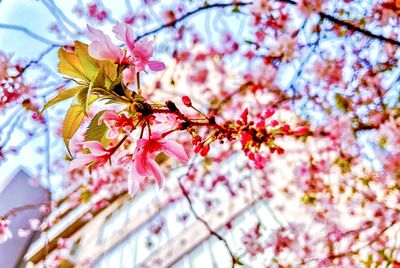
[108, 116]
[142, 142]
[141, 163]
[143, 49]
[157, 172]
[129, 76]
[95, 147]
[125, 34]
[119, 31]
[174, 149]
[156, 65]
[133, 182]
[81, 161]
[102, 47]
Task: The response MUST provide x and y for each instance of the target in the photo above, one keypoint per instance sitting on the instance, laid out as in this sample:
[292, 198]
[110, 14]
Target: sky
[32, 15]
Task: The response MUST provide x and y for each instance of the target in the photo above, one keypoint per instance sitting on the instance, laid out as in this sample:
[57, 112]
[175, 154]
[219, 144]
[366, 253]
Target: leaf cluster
[96, 80]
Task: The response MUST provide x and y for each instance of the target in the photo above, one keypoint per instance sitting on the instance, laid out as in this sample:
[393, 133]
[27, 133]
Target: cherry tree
[304, 93]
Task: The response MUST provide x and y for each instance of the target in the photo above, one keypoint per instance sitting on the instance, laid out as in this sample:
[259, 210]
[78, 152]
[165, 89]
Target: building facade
[156, 228]
[19, 192]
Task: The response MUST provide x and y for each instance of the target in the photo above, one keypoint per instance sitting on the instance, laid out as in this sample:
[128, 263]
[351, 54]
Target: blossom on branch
[144, 164]
[137, 55]
[115, 123]
[5, 233]
[98, 156]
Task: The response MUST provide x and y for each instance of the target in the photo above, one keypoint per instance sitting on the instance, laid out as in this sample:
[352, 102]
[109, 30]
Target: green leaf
[85, 97]
[63, 95]
[110, 69]
[89, 66]
[85, 100]
[70, 65]
[81, 97]
[101, 91]
[99, 79]
[96, 132]
[72, 122]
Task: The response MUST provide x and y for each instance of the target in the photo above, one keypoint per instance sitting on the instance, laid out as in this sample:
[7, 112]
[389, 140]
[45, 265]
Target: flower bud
[171, 106]
[274, 123]
[187, 101]
[300, 130]
[205, 150]
[285, 128]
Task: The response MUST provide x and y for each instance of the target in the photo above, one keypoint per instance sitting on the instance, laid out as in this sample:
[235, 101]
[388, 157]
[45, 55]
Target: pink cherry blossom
[98, 156]
[307, 7]
[102, 47]
[34, 224]
[129, 76]
[165, 122]
[140, 52]
[23, 232]
[115, 123]
[5, 232]
[144, 164]
[139, 55]
[251, 241]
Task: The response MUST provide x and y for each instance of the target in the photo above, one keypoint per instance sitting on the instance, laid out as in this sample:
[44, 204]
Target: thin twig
[30, 33]
[11, 213]
[190, 13]
[204, 222]
[350, 26]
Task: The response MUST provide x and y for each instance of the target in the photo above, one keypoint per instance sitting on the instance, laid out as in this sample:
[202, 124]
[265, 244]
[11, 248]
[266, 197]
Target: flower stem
[139, 90]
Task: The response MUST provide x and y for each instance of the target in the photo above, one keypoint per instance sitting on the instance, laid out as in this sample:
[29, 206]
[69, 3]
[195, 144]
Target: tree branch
[29, 32]
[39, 58]
[16, 210]
[323, 15]
[355, 251]
[349, 25]
[190, 13]
[235, 260]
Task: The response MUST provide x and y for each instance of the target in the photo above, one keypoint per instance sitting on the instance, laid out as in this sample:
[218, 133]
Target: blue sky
[32, 15]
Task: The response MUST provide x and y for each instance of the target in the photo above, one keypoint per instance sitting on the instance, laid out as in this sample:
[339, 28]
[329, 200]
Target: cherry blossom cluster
[306, 90]
[93, 11]
[12, 85]
[148, 127]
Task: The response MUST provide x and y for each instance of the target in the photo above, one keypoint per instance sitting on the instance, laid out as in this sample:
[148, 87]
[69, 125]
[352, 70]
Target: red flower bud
[280, 150]
[285, 128]
[196, 140]
[273, 123]
[268, 113]
[205, 150]
[300, 130]
[197, 148]
[187, 101]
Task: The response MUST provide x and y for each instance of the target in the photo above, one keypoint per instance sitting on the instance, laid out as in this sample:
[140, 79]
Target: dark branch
[235, 260]
[190, 13]
[41, 56]
[323, 15]
[355, 28]
[16, 210]
[349, 26]
[355, 251]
